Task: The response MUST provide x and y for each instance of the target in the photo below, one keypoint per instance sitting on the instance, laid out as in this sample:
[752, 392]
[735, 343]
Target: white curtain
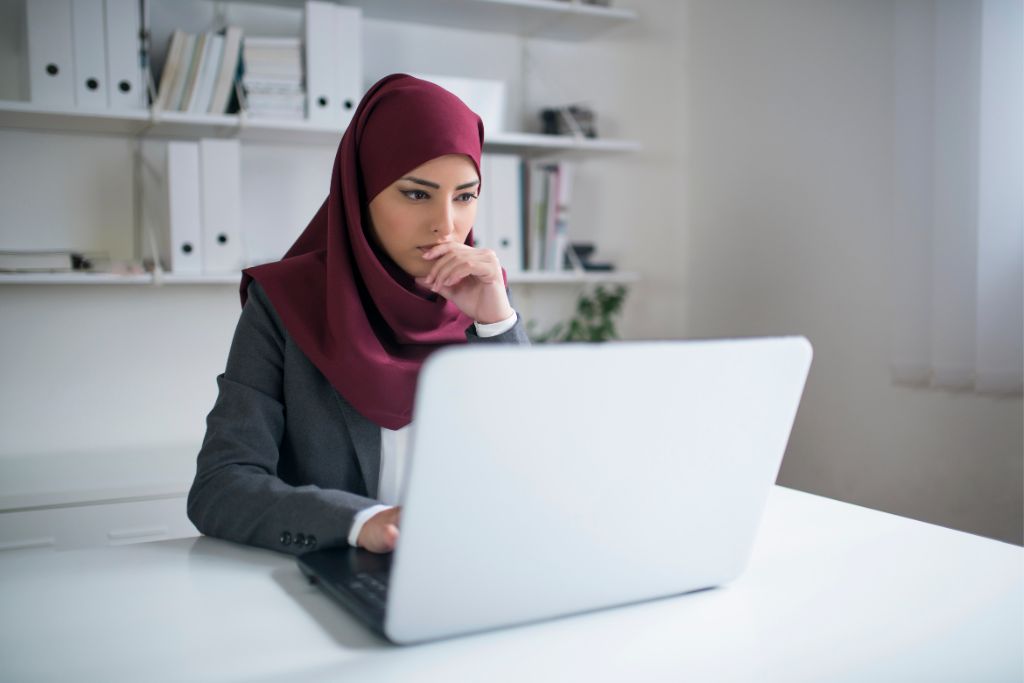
[957, 261]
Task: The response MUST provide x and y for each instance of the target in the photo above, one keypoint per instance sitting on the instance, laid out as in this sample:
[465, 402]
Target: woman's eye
[465, 197]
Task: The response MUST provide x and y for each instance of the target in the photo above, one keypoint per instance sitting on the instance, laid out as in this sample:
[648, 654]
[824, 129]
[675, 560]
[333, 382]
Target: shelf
[178, 279]
[551, 19]
[14, 114]
[74, 279]
[58, 479]
[115, 279]
[534, 144]
[569, 278]
[167, 279]
[185, 125]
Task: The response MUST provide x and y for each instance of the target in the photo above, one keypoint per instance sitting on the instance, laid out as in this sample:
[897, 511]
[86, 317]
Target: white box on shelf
[348, 46]
[221, 177]
[171, 214]
[50, 57]
[90, 54]
[334, 62]
[321, 87]
[499, 214]
[124, 63]
[484, 96]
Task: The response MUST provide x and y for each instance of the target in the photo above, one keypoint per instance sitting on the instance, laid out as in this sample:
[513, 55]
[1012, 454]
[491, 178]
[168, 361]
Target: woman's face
[433, 203]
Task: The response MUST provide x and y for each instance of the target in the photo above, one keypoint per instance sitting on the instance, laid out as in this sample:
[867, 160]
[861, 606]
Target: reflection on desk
[833, 592]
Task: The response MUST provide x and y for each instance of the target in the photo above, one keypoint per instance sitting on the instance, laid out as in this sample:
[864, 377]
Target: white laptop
[549, 480]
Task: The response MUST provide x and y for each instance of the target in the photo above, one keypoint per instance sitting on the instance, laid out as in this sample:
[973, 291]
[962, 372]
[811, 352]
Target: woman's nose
[444, 222]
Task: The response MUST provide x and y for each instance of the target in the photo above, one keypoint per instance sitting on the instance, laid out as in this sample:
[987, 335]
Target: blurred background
[845, 170]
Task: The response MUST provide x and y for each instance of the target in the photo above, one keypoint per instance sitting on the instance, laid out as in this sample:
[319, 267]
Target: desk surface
[833, 592]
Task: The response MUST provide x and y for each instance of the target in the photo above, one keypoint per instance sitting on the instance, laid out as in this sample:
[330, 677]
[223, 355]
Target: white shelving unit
[173, 124]
[540, 278]
[569, 20]
[69, 500]
[55, 501]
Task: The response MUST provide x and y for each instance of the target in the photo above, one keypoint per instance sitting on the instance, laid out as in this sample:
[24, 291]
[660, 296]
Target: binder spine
[50, 59]
[348, 62]
[90, 62]
[124, 55]
[184, 221]
[322, 95]
[506, 207]
[221, 200]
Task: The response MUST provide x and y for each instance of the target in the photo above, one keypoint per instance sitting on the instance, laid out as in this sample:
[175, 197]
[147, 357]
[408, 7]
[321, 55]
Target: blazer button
[311, 541]
[300, 539]
[286, 538]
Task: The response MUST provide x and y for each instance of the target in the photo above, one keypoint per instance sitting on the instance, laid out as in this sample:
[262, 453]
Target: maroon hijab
[358, 317]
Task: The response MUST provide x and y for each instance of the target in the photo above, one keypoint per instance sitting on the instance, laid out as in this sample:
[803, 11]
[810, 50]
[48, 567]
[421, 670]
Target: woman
[305, 444]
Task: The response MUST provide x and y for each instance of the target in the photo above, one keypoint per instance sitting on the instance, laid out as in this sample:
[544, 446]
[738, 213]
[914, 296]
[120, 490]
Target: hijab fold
[358, 317]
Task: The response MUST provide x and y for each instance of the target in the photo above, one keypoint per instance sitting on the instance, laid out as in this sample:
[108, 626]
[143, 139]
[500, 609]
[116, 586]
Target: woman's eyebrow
[436, 186]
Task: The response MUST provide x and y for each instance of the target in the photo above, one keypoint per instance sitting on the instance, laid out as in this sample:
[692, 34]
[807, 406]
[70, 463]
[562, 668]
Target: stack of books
[52, 261]
[523, 214]
[548, 194]
[200, 71]
[273, 78]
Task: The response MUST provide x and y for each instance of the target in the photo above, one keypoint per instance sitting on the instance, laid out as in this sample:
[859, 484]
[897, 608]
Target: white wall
[790, 180]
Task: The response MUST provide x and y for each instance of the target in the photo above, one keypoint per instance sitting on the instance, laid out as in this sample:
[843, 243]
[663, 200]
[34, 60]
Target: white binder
[334, 62]
[321, 87]
[125, 84]
[184, 218]
[221, 201]
[482, 225]
[348, 47]
[501, 182]
[90, 56]
[170, 205]
[50, 60]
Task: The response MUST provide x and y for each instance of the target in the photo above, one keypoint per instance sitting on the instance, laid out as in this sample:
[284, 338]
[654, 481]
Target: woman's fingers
[380, 533]
[384, 539]
[452, 270]
[443, 259]
[462, 270]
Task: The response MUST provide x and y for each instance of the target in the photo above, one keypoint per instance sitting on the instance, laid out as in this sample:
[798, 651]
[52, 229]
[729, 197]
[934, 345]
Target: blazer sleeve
[514, 335]
[236, 494]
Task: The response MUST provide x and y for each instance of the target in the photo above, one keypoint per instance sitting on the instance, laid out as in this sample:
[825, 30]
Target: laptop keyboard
[372, 586]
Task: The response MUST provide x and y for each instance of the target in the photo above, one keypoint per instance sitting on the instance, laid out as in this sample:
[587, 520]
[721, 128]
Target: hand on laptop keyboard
[380, 533]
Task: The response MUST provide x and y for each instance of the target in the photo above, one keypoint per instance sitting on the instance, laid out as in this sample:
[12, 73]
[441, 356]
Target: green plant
[593, 321]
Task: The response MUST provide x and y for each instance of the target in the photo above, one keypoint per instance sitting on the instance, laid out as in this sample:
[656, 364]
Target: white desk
[833, 592]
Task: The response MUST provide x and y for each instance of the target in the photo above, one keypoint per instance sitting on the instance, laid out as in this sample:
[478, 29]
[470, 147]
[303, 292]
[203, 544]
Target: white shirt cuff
[360, 519]
[494, 329]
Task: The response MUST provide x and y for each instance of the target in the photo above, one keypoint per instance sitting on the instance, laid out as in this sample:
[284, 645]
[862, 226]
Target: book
[206, 56]
[172, 67]
[539, 198]
[46, 260]
[181, 76]
[193, 72]
[273, 78]
[208, 74]
[230, 67]
[558, 223]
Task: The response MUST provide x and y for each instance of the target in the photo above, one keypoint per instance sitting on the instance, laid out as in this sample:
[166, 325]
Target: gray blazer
[286, 462]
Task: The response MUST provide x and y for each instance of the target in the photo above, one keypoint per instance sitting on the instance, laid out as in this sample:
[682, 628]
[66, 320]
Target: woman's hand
[380, 533]
[471, 279]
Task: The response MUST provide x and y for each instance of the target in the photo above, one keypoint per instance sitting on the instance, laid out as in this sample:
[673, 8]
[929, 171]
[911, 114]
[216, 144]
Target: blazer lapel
[366, 439]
